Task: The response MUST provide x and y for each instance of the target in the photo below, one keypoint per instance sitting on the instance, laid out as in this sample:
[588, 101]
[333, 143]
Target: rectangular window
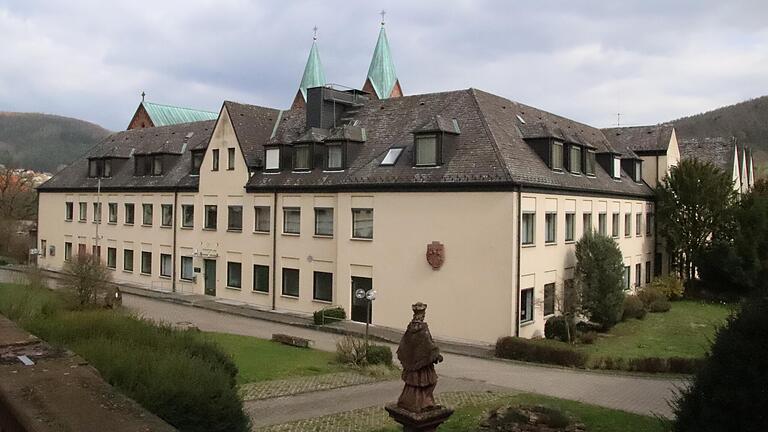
[260, 278]
[647, 272]
[529, 224]
[324, 221]
[83, 216]
[549, 299]
[166, 265]
[335, 157]
[323, 286]
[107, 168]
[234, 218]
[93, 168]
[638, 274]
[69, 211]
[97, 212]
[215, 160]
[234, 273]
[602, 224]
[111, 257]
[626, 277]
[146, 262]
[291, 282]
[95, 251]
[210, 217]
[146, 214]
[187, 268]
[575, 159]
[392, 156]
[627, 224]
[112, 212]
[557, 156]
[231, 158]
[648, 223]
[589, 165]
[129, 215]
[426, 150]
[166, 211]
[262, 222]
[638, 224]
[638, 171]
[615, 225]
[187, 216]
[197, 162]
[362, 223]
[616, 167]
[43, 248]
[272, 156]
[302, 158]
[526, 305]
[586, 222]
[67, 251]
[157, 165]
[291, 220]
[570, 226]
[128, 260]
[550, 220]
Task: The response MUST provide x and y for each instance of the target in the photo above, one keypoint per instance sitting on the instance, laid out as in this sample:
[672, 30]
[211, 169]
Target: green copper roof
[164, 115]
[382, 73]
[313, 72]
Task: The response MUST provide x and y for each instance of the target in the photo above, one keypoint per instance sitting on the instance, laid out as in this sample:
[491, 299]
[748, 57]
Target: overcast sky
[650, 60]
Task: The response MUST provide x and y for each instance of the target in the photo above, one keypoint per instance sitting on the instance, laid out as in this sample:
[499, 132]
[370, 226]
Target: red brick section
[298, 101]
[140, 119]
[397, 91]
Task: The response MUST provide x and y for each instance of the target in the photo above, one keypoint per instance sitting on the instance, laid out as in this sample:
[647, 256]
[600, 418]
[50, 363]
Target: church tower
[313, 75]
[382, 82]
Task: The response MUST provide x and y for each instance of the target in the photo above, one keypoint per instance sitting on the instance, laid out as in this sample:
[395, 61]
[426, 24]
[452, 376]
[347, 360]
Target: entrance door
[210, 277]
[361, 306]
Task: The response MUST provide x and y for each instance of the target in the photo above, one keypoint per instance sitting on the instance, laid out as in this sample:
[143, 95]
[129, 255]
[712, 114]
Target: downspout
[175, 227]
[516, 310]
[274, 249]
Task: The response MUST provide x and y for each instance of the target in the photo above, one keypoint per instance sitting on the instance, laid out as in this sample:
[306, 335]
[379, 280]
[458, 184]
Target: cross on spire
[382, 13]
[142, 96]
[314, 34]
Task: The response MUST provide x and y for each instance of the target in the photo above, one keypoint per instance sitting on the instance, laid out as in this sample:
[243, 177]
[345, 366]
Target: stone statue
[416, 409]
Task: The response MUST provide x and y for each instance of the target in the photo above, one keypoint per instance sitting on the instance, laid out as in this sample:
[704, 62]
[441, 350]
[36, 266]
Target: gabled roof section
[253, 126]
[654, 138]
[381, 72]
[166, 115]
[718, 151]
[313, 76]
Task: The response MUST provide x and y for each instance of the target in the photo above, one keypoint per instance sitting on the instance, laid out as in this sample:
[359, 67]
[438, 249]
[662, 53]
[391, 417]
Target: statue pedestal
[426, 421]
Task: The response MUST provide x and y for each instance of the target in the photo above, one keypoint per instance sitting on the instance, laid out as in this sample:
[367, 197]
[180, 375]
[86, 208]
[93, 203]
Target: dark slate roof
[489, 149]
[253, 126]
[717, 150]
[640, 138]
[175, 141]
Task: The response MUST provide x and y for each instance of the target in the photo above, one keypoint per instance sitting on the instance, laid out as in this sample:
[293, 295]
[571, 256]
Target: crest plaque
[435, 255]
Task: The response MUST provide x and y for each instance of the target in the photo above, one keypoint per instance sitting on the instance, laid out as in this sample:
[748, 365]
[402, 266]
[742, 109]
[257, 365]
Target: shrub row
[515, 348]
[329, 315]
[681, 365]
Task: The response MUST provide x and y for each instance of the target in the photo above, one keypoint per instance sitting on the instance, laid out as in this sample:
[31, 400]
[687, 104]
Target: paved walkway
[629, 393]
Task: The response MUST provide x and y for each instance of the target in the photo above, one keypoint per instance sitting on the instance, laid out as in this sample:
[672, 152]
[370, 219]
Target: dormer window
[99, 168]
[335, 157]
[197, 162]
[302, 158]
[575, 159]
[556, 157]
[616, 167]
[392, 156]
[589, 163]
[272, 159]
[157, 165]
[427, 150]
[638, 171]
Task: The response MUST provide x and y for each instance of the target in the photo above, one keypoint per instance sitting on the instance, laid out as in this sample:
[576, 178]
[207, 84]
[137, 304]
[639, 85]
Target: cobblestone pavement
[293, 386]
[373, 418]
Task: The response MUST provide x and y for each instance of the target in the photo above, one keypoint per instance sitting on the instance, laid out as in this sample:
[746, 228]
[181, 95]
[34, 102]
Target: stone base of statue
[426, 421]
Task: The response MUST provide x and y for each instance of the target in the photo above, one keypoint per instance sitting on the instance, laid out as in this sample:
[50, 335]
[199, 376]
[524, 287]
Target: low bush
[684, 365]
[526, 418]
[539, 351]
[329, 315]
[670, 286]
[660, 305]
[379, 354]
[649, 295]
[560, 328]
[588, 338]
[350, 350]
[680, 365]
[633, 308]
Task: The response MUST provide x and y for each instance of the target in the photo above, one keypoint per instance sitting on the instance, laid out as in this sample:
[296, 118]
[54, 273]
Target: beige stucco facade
[657, 166]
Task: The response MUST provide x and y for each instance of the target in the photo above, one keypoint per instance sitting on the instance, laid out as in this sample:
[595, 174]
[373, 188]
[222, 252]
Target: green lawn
[261, 360]
[595, 419]
[685, 331]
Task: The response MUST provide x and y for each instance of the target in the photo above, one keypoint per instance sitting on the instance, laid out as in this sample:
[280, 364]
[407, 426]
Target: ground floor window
[166, 265]
[260, 278]
[549, 299]
[112, 257]
[234, 273]
[323, 286]
[146, 262]
[526, 305]
[626, 277]
[647, 272]
[128, 260]
[638, 274]
[67, 251]
[291, 282]
[187, 270]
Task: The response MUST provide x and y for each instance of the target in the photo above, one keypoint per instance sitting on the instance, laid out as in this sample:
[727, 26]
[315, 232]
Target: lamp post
[366, 297]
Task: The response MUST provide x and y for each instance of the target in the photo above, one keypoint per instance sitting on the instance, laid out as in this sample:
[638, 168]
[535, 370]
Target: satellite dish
[359, 293]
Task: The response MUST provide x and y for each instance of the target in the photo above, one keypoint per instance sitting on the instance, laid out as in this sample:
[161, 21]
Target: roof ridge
[489, 132]
[177, 107]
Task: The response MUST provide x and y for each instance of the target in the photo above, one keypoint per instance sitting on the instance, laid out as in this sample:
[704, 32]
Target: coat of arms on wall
[435, 255]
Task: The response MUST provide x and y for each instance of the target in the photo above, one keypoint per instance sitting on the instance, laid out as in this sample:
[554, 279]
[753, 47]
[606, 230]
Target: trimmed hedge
[558, 327]
[379, 354]
[329, 315]
[515, 348]
[680, 365]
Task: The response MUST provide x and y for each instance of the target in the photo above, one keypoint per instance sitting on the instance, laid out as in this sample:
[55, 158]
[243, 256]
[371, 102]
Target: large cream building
[464, 200]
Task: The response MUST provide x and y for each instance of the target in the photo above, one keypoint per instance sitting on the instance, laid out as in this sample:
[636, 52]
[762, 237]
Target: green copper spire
[381, 73]
[313, 71]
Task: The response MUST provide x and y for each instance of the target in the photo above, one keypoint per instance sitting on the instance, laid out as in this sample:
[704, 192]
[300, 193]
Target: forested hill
[44, 142]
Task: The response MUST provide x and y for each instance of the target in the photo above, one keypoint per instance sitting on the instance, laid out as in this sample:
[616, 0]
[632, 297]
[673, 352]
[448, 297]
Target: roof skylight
[392, 155]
